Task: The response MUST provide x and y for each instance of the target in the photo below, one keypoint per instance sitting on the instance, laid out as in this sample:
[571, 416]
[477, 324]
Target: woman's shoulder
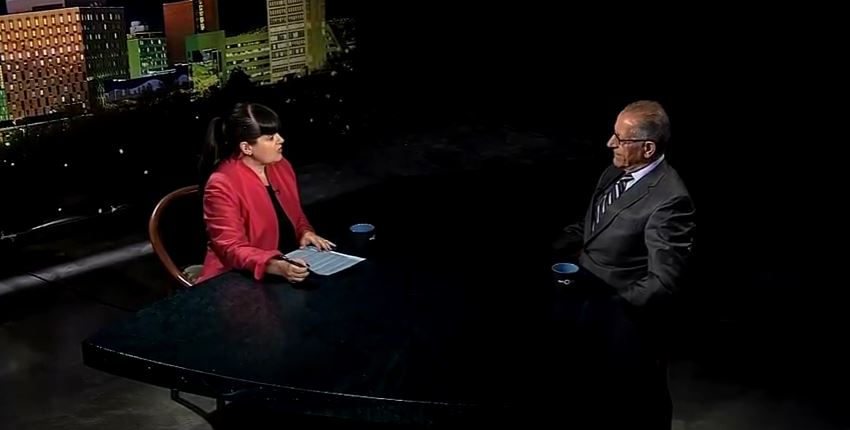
[227, 172]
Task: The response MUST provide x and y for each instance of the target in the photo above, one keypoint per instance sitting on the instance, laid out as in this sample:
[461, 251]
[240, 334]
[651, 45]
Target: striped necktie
[611, 196]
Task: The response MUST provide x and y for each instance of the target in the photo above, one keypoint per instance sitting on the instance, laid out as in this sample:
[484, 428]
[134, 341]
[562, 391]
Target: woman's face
[268, 149]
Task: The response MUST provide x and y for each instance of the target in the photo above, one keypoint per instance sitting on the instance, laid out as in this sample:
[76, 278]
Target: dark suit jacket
[643, 242]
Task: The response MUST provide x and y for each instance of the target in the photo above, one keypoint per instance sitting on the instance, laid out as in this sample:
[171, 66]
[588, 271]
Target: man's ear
[649, 149]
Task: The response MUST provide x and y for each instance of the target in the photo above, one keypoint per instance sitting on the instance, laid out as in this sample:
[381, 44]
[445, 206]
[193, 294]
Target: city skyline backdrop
[235, 16]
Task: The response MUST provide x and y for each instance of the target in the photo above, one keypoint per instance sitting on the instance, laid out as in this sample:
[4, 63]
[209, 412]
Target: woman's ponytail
[211, 154]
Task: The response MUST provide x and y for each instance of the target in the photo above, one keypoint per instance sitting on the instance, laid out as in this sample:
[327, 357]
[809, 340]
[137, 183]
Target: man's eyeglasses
[619, 142]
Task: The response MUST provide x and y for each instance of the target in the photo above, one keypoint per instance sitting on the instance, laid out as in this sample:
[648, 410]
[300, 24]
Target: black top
[286, 239]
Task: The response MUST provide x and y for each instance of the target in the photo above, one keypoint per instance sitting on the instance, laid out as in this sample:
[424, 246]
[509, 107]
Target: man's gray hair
[653, 123]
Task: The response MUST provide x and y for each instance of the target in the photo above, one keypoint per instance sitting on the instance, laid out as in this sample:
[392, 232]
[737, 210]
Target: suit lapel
[631, 196]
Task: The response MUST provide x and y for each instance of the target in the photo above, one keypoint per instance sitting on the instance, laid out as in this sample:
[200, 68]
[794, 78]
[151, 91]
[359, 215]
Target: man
[636, 238]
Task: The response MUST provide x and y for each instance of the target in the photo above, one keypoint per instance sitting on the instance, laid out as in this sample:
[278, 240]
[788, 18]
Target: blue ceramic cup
[362, 235]
[564, 273]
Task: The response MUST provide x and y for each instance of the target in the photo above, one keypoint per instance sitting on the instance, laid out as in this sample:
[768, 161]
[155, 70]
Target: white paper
[325, 262]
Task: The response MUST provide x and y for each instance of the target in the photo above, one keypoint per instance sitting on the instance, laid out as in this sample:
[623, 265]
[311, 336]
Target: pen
[293, 262]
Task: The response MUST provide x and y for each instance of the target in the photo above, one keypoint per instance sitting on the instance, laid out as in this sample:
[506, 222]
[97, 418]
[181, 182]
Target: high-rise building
[184, 18]
[20, 6]
[296, 36]
[179, 23]
[249, 52]
[206, 15]
[146, 51]
[57, 58]
[316, 34]
[105, 42]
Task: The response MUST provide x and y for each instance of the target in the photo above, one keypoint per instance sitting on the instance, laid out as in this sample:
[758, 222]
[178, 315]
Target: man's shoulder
[669, 181]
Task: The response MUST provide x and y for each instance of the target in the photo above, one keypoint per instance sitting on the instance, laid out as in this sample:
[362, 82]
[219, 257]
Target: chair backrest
[177, 233]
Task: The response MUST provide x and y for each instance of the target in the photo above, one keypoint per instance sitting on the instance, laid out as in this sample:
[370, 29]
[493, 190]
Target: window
[28, 23]
[61, 19]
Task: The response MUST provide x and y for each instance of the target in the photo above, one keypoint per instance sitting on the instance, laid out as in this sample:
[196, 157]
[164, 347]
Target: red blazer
[241, 221]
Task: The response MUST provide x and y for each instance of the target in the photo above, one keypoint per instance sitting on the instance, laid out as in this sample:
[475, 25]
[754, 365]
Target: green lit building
[249, 52]
[146, 52]
[205, 52]
[4, 113]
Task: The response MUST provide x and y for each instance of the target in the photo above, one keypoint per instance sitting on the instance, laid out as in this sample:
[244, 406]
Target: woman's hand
[291, 272]
[310, 238]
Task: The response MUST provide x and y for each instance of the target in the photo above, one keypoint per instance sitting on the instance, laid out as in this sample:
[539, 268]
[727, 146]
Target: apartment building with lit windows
[296, 36]
[58, 58]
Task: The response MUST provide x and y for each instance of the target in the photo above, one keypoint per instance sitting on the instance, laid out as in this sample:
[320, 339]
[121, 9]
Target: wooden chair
[177, 234]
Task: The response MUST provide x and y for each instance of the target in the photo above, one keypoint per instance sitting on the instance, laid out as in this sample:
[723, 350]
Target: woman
[252, 208]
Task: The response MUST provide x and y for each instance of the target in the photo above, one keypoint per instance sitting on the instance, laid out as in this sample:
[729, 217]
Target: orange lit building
[56, 59]
[179, 22]
[184, 18]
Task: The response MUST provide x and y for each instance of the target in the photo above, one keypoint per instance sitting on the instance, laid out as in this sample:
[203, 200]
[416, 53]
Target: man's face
[630, 150]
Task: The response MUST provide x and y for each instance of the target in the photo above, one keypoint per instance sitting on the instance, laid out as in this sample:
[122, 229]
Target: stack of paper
[325, 262]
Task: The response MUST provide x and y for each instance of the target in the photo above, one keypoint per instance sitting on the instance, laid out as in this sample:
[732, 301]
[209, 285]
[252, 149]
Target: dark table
[390, 339]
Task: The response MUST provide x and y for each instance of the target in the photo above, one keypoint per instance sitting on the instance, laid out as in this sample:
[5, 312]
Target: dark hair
[245, 123]
[653, 123]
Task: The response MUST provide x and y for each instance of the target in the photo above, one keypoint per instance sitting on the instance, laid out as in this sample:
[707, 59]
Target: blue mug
[564, 273]
[361, 237]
